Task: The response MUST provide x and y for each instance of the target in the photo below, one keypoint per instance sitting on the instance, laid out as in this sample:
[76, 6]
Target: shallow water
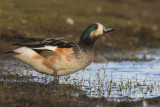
[136, 80]
[125, 80]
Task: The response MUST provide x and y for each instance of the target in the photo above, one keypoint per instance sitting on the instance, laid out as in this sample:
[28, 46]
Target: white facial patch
[99, 30]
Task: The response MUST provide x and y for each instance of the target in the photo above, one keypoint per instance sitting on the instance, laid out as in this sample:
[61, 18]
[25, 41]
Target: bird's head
[92, 32]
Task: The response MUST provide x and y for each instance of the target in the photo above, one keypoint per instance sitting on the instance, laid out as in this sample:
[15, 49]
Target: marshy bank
[38, 94]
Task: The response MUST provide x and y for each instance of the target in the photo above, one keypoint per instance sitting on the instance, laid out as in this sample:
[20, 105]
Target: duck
[60, 56]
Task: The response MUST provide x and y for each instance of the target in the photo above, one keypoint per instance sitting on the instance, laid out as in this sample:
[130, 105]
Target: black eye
[96, 26]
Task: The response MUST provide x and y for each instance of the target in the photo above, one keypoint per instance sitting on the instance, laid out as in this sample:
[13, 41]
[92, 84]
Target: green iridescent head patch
[89, 29]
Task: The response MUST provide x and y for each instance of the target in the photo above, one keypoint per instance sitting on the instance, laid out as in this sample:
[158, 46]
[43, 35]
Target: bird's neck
[87, 44]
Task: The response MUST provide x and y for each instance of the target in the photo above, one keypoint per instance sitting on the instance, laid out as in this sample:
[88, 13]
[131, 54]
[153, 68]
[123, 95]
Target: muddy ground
[29, 94]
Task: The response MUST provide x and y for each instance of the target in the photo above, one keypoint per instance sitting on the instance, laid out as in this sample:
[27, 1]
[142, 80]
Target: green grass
[31, 15]
[136, 22]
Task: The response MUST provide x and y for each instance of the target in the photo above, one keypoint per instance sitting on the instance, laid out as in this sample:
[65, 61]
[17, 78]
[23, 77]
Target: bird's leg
[55, 77]
[58, 78]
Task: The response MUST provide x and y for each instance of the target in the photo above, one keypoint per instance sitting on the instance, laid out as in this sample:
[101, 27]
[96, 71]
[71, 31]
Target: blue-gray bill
[105, 30]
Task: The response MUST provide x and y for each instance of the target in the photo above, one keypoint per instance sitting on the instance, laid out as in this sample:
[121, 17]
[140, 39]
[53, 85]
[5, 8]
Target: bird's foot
[55, 82]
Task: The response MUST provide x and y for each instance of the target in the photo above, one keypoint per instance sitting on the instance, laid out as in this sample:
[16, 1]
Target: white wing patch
[51, 48]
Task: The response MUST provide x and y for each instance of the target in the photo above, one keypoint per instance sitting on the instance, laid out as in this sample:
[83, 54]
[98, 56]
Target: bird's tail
[10, 52]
